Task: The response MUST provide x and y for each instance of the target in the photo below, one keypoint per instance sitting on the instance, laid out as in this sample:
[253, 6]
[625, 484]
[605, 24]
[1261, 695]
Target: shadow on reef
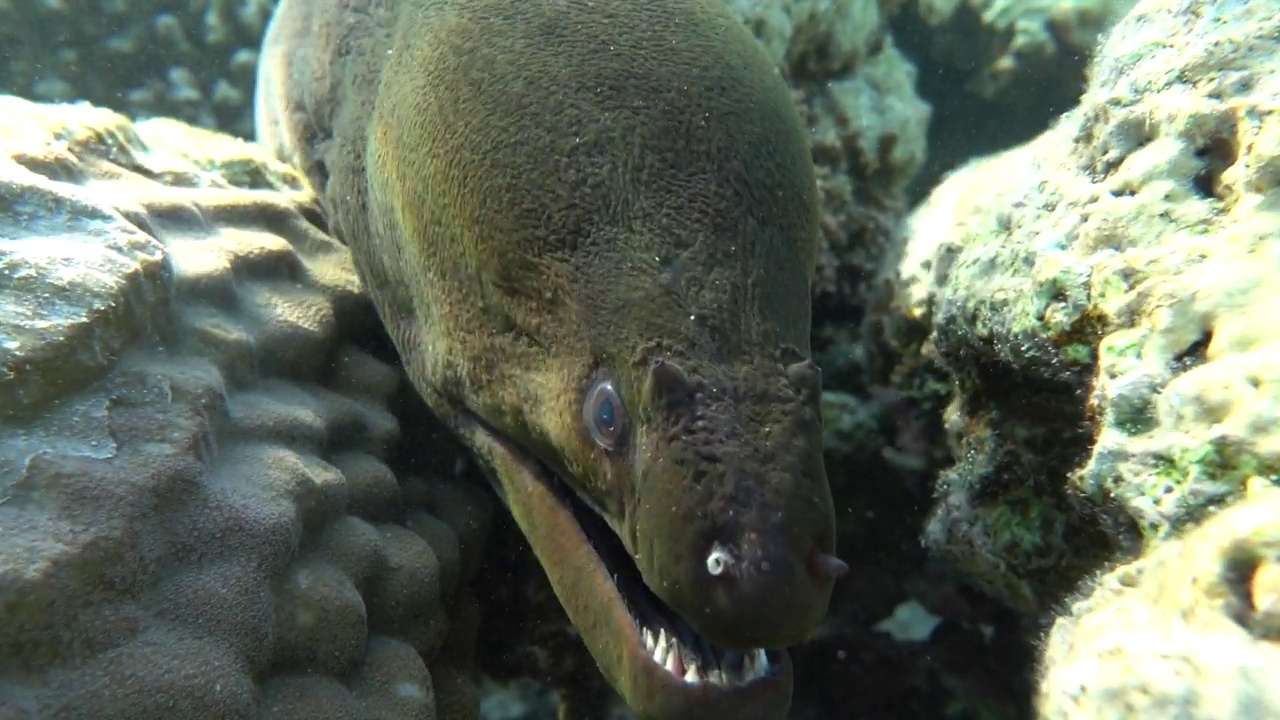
[885, 448]
[970, 123]
[957, 673]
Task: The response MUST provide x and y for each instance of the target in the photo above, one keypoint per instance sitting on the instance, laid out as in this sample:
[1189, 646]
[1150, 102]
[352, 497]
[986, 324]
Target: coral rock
[1102, 298]
[197, 514]
[1189, 631]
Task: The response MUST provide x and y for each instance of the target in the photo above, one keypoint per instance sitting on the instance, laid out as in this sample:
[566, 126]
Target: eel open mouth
[671, 642]
[648, 653]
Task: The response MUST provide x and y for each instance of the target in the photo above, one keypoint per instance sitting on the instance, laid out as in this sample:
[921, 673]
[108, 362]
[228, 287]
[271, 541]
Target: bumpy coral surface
[197, 514]
[1103, 297]
[1193, 631]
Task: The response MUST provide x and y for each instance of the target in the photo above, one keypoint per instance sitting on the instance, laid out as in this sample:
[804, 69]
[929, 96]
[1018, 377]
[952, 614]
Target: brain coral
[198, 518]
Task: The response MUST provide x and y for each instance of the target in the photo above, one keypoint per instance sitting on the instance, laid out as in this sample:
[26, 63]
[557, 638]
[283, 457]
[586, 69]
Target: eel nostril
[719, 561]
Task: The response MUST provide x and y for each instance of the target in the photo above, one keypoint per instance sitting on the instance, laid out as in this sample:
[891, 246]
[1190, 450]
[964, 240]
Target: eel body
[590, 227]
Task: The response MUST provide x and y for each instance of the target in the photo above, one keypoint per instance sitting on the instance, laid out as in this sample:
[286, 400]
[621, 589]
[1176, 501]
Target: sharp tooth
[675, 665]
[716, 676]
[648, 639]
[660, 651]
[691, 674]
[717, 670]
[754, 665]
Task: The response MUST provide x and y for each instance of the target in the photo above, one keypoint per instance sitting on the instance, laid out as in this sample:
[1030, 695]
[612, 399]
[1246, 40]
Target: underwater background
[1044, 311]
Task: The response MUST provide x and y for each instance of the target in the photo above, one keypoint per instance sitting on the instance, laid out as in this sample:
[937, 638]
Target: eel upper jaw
[653, 659]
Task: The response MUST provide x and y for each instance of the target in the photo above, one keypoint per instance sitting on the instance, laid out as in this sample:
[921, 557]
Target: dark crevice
[1216, 156]
[1194, 354]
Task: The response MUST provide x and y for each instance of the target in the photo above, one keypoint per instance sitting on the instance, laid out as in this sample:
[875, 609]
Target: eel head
[687, 529]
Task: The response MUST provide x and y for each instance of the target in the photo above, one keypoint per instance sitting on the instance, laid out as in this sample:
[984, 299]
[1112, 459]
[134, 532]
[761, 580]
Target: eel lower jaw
[656, 662]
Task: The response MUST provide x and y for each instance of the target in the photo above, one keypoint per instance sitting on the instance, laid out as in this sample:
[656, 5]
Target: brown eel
[590, 227]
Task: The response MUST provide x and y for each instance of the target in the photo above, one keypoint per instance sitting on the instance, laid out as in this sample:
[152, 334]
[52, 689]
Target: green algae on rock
[194, 481]
[591, 229]
[1186, 139]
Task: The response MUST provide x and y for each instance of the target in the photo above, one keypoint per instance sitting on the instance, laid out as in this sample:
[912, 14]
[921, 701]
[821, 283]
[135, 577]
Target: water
[1041, 303]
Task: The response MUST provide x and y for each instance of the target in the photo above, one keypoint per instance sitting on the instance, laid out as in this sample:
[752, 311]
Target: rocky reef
[1189, 630]
[1098, 296]
[1101, 298]
[204, 506]
[1017, 49]
[1050, 386]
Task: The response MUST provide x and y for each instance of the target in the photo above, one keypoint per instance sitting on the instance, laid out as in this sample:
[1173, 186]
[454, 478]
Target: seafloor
[1044, 310]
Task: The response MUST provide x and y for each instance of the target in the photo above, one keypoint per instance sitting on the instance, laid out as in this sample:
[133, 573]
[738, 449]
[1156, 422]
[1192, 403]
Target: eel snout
[734, 526]
[756, 588]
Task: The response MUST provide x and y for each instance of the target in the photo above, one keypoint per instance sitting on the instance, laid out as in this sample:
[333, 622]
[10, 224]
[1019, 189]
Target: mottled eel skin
[590, 227]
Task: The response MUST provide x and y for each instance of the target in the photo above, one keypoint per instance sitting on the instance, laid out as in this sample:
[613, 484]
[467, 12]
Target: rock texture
[1103, 299]
[1192, 631]
[198, 513]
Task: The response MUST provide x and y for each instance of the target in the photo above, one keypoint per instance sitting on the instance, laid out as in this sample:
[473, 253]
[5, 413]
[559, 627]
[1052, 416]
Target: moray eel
[590, 228]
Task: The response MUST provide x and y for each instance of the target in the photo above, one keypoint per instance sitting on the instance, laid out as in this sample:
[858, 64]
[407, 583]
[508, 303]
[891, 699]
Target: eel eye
[603, 414]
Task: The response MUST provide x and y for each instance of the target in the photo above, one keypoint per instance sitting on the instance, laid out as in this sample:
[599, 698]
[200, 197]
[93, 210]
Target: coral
[997, 72]
[1099, 296]
[189, 60]
[1190, 631]
[857, 94]
[814, 38]
[1188, 378]
[200, 514]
